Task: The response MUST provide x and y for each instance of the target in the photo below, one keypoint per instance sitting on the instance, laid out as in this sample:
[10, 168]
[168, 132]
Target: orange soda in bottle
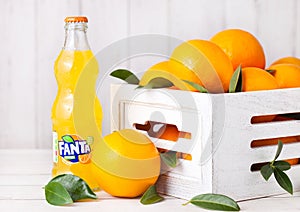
[76, 112]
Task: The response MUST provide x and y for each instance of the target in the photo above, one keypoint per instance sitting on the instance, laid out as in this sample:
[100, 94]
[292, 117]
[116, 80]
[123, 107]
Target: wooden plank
[31, 196]
[276, 22]
[20, 202]
[104, 203]
[27, 192]
[22, 162]
[24, 180]
[192, 19]
[148, 17]
[17, 74]
[107, 22]
[242, 15]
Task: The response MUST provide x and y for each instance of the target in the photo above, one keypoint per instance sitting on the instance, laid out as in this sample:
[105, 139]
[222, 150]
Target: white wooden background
[31, 36]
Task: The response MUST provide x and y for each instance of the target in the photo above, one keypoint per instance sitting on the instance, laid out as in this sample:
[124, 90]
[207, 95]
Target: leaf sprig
[277, 168]
[66, 189]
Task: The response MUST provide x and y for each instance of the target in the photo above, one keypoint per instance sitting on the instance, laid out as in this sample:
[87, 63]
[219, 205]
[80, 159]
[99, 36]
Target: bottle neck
[75, 36]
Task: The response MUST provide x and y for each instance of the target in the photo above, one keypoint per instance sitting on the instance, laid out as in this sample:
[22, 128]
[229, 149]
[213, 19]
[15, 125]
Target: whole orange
[172, 71]
[274, 141]
[241, 47]
[207, 61]
[125, 163]
[287, 60]
[286, 75]
[255, 79]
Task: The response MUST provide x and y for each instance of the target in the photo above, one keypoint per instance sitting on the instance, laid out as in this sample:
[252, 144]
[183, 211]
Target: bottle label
[55, 147]
[73, 149]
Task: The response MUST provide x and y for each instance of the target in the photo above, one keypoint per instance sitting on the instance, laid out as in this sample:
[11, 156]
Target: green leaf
[197, 86]
[158, 82]
[68, 139]
[283, 180]
[151, 196]
[282, 165]
[236, 81]
[271, 71]
[56, 194]
[169, 158]
[266, 171]
[138, 87]
[279, 148]
[125, 75]
[215, 202]
[77, 188]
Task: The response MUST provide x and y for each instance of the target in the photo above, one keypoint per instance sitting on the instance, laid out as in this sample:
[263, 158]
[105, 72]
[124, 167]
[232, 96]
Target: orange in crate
[162, 131]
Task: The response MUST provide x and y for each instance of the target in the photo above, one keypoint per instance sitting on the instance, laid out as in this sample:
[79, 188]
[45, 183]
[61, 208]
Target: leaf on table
[126, 75]
[279, 149]
[236, 80]
[214, 202]
[169, 158]
[56, 194]
[197, 86]
[151, 196]
[77, 188]
[282, 165]
[266, 171]
[283, 180]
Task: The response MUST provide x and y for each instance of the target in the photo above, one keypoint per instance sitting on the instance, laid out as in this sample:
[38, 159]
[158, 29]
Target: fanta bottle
[76, 112]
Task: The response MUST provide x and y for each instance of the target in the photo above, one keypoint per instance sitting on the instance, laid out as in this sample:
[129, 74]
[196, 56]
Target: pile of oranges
[127, 162]
[211, 64]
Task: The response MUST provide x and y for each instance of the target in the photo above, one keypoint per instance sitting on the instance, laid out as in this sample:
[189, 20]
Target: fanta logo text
[70, 147]
[76, 148]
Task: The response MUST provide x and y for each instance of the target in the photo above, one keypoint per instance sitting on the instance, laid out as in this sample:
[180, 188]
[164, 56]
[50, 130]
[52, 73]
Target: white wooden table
[23, 173]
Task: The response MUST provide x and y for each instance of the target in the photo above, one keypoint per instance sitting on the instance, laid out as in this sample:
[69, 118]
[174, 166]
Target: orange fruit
[162, 131]
[293, 161]
[207, 61]
[125, 163]
[287, 60]
[172, 71]
[274, 141]
[286, 75]
[255, 79]
[241, 47]
[85, 158]
[184, 156]
[170, 132]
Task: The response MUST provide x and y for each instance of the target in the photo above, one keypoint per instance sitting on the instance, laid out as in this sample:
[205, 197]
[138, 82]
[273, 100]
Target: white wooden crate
[221, 135]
